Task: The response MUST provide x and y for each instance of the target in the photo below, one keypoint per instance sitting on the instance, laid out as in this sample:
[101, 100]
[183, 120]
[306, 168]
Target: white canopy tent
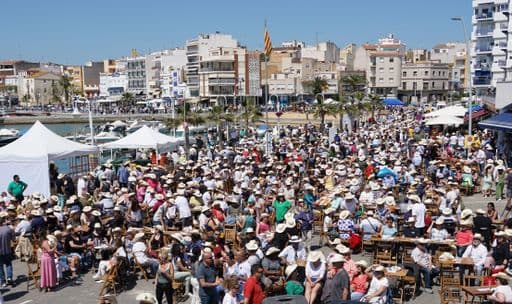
[459, 111]
[29, 155]
[445, 120]
[145, 138]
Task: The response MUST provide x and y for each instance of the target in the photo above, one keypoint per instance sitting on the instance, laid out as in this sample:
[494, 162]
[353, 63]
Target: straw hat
[342, 249]
[35, 212]
[411, 219]
[477, 236]
[290, 223]
[500, 233]
[336, 241]
[466, 169]
[315, 256]
[289, 270]
[502, 275]
[272, 250]
[337, 258]
[252, 245]
[447, 211]
[146, 298]
[344, 214]
[439, 221]
[379, 268]
[362, 263]
[280, 228]
[467, 222]
[466, 213]
[422, 241]
[480, 211]
[87, 209]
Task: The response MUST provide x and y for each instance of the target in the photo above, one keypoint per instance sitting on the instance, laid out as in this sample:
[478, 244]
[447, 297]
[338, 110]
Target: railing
[481, 81]
[504, 26]
[484, 16]
[221, 82]
[482, 66]
[483, 33]
[484, 49]
[502, 63]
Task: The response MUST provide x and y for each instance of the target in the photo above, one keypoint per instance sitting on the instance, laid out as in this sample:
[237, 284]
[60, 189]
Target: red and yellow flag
[267, 42]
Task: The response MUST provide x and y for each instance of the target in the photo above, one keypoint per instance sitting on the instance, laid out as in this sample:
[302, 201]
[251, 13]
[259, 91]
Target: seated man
[293, 252]
[423, 259]
[478, 252]
[139, 252]
[409, 230]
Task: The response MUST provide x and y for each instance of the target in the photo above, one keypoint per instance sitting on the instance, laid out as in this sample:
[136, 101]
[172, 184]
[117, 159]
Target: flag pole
[266, 80]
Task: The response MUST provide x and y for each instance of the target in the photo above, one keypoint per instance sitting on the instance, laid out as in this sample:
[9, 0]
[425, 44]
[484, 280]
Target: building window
[426, 73]
[425, 86]
[433, 84]
[404, 74]
[391, 59]
[381, 59]
[381, 70]
[404, 85]
[415, 73]
[391, 79]
[391, 69]
[381, 79]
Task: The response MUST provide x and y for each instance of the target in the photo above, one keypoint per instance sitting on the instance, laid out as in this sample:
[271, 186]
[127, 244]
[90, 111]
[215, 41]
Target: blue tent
[393, 102]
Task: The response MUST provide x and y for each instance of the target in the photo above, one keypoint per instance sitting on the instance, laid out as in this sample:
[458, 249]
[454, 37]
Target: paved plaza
[85, 291]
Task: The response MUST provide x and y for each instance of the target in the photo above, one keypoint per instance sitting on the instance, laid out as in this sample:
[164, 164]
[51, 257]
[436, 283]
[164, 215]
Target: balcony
[484, 16]
[483, 33]
[481, 81]
[221, 81]
[502, 63]
[484, 50]
[503, 46]
[504, 27]
[482, 67]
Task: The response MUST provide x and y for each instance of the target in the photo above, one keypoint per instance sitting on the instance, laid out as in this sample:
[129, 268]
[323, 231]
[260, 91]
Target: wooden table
[398, 274]
[477, 291]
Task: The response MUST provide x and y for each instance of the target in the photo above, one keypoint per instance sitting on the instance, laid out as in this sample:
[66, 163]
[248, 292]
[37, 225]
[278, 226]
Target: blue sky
[72, 32]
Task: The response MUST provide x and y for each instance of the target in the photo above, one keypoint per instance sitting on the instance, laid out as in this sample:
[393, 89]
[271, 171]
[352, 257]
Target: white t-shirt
[243, 269]
[139, 250]
[505, 290]
[375, 284]
[315, 273]
[183, 207]
[418, 211]
[229, 299]
[291, 255]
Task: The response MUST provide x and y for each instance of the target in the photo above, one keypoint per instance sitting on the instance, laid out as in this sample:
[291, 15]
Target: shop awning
[393, 102]
[477, 113]
[501, 121]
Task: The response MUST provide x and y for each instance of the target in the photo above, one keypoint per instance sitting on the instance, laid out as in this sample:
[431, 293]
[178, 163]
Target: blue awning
[393, 102]
[501, 121]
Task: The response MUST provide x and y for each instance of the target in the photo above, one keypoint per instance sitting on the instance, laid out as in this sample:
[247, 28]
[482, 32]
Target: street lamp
[468, 50]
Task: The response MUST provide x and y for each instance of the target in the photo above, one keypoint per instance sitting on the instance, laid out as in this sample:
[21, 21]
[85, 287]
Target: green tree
[56, 94]
[127, 100]
[320, 109]
[191, 118]
[65, 83]
[250, 113]
[374, 103]
[218, 116]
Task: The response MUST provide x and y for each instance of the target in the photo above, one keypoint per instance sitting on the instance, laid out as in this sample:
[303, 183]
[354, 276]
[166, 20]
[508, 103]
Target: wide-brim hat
[138, 236]
[272, 250]
[342, 249]
[466, 213]
[280, 228]
[502, 275]
[466, 169]
[146, 297]
[96, 213]
[87, 209]
[329, 210]
[411, 219]
[480, 211]
[289, 270]
[337, 258]
[477, 236]
[315, 256]
[467, 222]
[446, 256]
[447, 211]
[362, 263]
[344, 214]
[252, 245]
[500, 233]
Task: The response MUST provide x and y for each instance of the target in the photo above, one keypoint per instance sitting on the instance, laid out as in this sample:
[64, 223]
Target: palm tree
[374, 103]
[250, 113]
[320, 110]
[127, 99]
[67, 87]
[191, 118]
[218, 115]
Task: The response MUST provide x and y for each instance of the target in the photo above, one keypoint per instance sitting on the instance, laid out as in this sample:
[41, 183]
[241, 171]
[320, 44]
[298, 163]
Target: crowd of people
[235, 225]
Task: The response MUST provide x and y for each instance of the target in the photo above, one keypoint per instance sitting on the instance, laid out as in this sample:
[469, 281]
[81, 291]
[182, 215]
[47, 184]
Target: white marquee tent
[459, 111]
[445, 120]
[29, 157]
[145, 138]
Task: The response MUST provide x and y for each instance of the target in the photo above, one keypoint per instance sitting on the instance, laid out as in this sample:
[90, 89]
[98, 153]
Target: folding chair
[110, 281]
[138, 267]
[33, 274]
[230, 235]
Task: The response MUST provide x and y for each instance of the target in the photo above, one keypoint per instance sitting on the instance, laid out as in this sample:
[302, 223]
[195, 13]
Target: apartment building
[490, 49]
[424, 81]
[113, 85]
[198, 48]
[75, 72]
[323, 52]
[37, 87]
[229, 72]
[91, 78]
[136, 71]
[172, 73]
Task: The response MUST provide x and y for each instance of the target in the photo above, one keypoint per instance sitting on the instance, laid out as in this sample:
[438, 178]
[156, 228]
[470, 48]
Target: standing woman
[164, 277]
[48, 268]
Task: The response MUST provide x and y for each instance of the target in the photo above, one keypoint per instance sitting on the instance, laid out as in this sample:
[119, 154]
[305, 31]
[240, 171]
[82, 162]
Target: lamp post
[470, 95]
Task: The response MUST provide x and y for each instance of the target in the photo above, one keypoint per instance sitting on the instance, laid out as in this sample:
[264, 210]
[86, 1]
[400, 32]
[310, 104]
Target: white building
[323, 52]
[199, 48]
[37, 88]
[490, 46]
[172, 73]
[136, 71]
[230, 72]
[113, 84]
